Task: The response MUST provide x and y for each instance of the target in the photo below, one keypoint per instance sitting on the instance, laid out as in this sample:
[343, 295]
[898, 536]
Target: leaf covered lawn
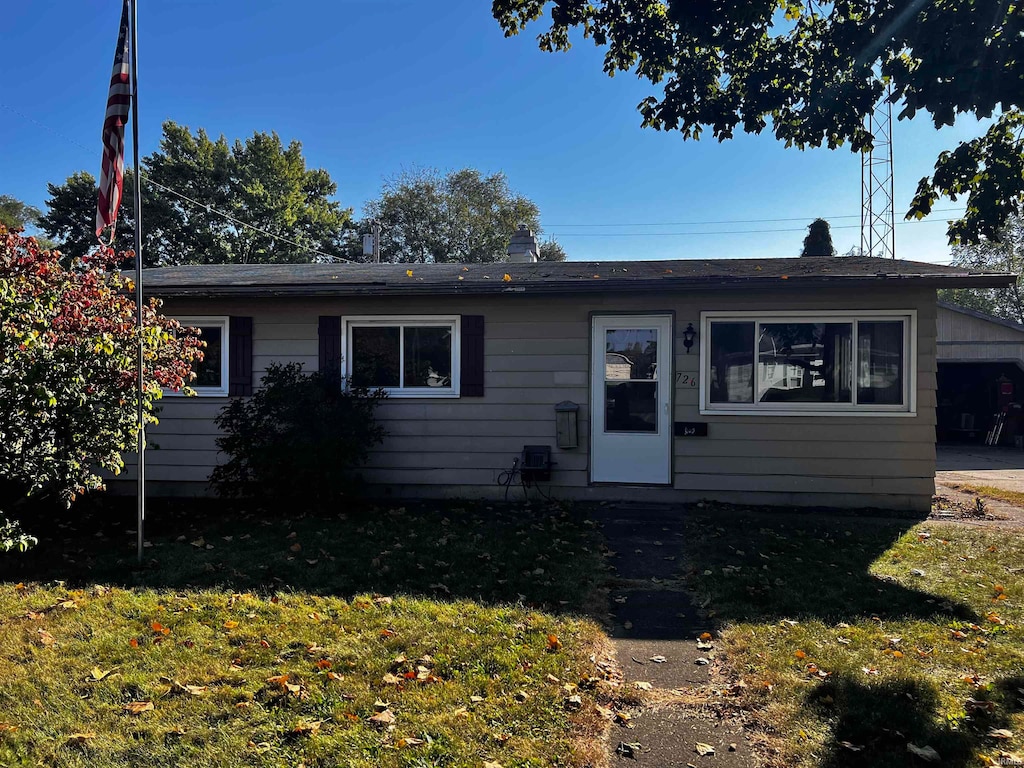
[438, 635]
[863, 642]
[207, 678]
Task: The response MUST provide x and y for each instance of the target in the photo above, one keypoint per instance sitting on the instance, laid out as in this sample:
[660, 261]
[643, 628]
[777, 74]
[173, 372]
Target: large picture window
[212, 373]
[407, 356]
[828, 363]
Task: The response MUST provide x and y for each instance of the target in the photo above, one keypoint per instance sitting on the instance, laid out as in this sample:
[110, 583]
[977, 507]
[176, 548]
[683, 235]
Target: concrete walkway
[655, 628]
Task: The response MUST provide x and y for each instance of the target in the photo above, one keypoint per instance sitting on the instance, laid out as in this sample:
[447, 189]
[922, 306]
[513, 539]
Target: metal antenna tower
[877, 220]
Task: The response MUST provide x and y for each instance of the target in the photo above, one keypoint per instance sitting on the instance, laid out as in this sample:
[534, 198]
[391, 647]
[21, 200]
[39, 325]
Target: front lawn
[859, 642]
[388, 637]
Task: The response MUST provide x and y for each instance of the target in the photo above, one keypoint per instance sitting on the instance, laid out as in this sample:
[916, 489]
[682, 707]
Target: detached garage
[980, 373]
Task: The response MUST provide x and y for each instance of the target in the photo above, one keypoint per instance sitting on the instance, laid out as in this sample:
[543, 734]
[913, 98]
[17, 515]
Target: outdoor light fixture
[688, 336]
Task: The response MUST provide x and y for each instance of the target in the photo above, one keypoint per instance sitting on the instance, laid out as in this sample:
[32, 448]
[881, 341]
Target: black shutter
[330, 346]
[240, 356]
[472, 368]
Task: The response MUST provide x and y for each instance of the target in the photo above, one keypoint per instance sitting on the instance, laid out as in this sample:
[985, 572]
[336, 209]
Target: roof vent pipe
[523, 248]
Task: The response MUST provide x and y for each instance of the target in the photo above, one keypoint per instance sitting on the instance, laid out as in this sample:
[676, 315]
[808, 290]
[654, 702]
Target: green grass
[856, 637]
[289, 659]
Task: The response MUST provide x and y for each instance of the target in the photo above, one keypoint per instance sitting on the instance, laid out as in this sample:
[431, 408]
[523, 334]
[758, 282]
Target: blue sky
[374, 86]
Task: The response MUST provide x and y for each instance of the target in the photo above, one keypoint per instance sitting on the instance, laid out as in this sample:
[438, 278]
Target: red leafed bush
[68, 380]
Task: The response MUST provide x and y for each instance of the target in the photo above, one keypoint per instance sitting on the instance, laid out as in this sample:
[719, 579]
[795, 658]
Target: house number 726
[686, 380]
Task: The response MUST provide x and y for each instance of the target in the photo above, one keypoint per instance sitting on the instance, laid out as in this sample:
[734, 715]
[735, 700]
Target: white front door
[631, 399]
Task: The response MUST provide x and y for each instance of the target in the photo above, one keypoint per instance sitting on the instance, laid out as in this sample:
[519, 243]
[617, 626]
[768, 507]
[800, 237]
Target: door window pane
[631, 353]
[631, 406]
[208, 372]
[732, 363]
[880, 362]
[376, 356]
[805, 363]
[428, 357]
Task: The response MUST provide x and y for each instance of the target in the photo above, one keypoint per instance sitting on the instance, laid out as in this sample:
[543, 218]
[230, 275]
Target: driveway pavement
[980, 465]
[960, 467]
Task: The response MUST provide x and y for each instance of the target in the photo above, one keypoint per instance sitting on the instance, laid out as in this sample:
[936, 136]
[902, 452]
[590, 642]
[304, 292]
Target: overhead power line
[204, 206]
[721, 231]
[729, 221]
[239, 222]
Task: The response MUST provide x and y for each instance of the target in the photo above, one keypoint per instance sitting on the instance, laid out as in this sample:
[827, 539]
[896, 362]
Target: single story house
[980, 371]
[803, 381]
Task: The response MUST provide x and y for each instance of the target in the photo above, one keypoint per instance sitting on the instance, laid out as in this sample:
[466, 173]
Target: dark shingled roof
[553, 277]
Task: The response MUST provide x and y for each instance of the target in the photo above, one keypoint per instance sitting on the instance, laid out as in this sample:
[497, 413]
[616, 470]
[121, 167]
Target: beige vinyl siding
[536, 355]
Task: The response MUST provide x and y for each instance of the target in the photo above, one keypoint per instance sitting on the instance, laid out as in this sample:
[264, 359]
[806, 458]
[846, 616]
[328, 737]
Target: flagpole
[141, 448]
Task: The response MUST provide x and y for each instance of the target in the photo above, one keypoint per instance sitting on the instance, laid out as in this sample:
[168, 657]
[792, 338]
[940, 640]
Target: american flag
[118, 100]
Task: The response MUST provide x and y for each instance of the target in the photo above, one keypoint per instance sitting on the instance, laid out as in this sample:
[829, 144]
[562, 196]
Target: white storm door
[631, 399]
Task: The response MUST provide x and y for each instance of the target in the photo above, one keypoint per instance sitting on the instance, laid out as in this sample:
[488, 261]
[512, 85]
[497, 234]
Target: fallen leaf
[507, 278]
[658, 659]
[800, 654]
[925, 753]
[643, 686]
[705, 636]
[230, 624]
[80, 739]
[704, 749]
[408, 273]
[852, 747]
[409, 742]
[45, 638]
[138, 707]
[383, 719]
[133, 643]
[554, 643]
[98, 674]
[1000, 733]
[623, 718]
[305, 727]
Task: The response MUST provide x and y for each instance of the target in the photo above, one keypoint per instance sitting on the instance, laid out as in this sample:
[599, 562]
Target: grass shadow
[547, 556]
[762, 566]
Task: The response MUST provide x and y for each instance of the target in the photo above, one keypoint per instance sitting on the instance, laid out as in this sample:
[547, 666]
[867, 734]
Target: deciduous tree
[259, 181]
[1004, 255]
[68, 383]
[14, 214]
[462, 216]
[810, 71]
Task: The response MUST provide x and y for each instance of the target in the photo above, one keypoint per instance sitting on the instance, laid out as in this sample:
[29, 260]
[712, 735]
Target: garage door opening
[969, 396]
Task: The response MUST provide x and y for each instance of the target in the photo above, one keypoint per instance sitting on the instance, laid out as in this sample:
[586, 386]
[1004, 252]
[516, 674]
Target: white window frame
[224, 322]
[401, 321]
[853, 408]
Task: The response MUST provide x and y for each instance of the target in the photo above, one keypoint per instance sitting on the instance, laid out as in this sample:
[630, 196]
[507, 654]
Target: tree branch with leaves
[811, 71]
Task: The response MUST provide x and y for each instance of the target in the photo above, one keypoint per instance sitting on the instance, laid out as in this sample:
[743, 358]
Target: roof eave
[577, 286]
